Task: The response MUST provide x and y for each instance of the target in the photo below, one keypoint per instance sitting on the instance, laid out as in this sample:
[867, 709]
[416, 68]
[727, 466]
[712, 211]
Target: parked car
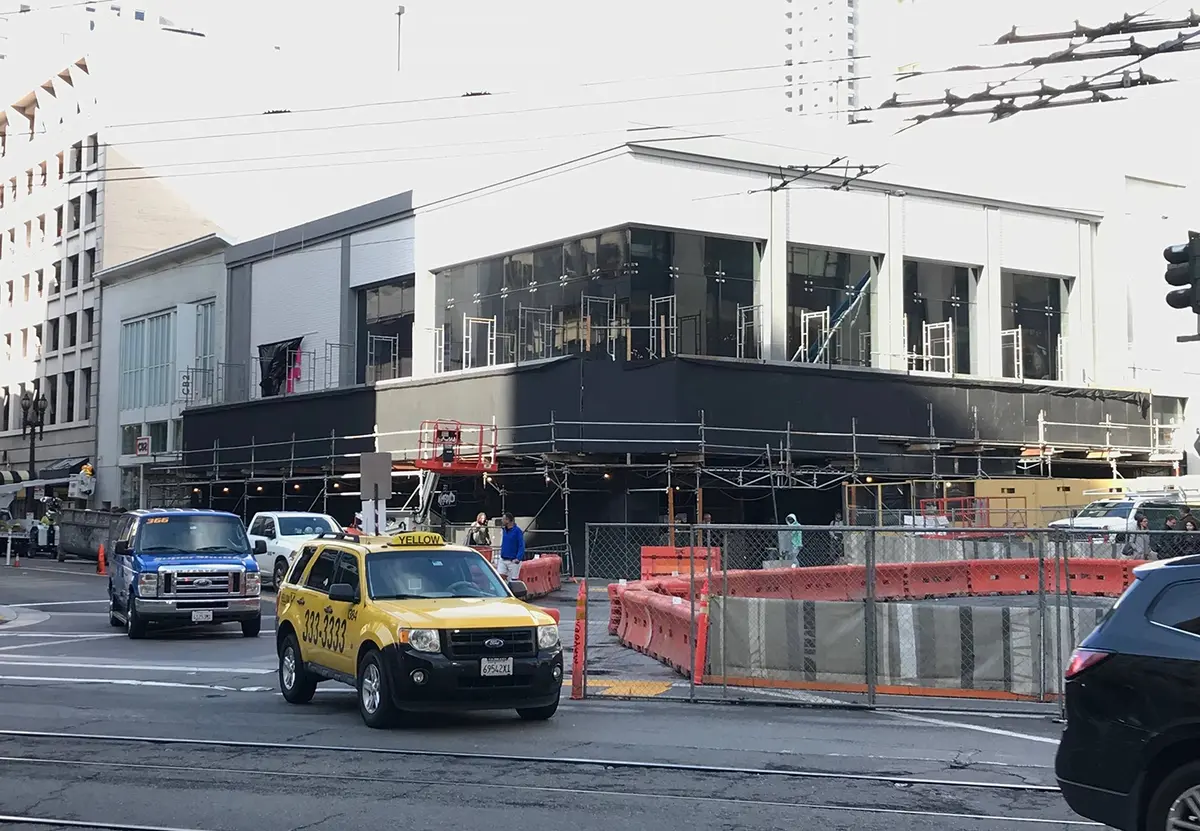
[1130, 754]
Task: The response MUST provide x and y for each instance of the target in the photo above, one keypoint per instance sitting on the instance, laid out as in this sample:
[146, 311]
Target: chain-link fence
[849, 615]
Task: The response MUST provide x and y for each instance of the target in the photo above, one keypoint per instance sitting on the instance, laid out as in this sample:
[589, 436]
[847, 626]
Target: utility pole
[399, 36]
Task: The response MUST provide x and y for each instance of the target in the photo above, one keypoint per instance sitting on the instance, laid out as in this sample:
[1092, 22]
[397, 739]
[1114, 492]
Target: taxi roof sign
[417, 539]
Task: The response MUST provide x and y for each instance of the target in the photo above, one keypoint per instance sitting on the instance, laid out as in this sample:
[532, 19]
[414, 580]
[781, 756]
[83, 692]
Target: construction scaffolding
[675, 460]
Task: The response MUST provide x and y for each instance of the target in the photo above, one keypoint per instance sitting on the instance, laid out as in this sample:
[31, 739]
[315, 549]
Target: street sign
[376, 471]
[142, 448]
[446, 499]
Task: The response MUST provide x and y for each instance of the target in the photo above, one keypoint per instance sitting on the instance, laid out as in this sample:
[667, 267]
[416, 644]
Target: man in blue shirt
[512, 549]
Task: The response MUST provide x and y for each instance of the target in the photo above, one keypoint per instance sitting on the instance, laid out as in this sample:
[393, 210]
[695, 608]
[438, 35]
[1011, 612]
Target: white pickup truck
[284, 532]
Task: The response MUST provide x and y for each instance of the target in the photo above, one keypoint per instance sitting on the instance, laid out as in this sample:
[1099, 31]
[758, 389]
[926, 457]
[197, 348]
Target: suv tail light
[1082, 659]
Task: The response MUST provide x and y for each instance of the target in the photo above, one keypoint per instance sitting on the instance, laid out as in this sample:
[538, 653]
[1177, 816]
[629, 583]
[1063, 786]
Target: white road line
[995, 731]
[61, 571]
[40, 661]
[53, 603]
[130, 682]
[39, 644]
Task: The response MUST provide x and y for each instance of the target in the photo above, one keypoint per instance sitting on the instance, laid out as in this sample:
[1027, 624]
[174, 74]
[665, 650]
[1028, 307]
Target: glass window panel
[936, 293]
[836, 282]
[1033, 321]
[729, 271]
[613, 253]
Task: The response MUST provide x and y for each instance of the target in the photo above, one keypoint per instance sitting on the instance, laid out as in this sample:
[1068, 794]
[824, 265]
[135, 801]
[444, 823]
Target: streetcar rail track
[508, 787]
[13, 819]
[571, 761]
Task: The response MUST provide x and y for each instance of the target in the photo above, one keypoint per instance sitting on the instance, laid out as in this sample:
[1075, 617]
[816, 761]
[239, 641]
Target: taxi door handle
[299, 601]
[329, 610]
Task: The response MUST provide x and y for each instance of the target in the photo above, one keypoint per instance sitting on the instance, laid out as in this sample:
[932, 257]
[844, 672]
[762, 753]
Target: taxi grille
[473, 643]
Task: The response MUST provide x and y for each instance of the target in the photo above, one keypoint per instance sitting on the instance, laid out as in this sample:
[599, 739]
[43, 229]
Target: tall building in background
[821, 49]
[30, 26]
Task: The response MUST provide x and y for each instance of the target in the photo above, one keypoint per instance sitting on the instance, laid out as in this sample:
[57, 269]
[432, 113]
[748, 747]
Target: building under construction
[580, 439]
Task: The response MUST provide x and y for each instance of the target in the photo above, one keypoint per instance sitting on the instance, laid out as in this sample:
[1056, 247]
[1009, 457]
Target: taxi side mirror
[343, 593]
[520, 590]
[260, 547]
[121, 547]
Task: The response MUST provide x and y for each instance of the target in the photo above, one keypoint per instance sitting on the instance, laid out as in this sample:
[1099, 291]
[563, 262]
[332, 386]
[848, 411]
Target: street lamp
[33, 422]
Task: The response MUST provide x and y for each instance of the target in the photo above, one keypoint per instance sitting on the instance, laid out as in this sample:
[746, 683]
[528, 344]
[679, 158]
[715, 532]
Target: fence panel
[849, 614]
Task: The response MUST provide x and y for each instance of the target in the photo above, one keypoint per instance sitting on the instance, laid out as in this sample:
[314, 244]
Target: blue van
[182, 566]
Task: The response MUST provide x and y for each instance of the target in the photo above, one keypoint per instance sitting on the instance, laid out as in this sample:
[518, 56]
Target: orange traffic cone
[100, 566]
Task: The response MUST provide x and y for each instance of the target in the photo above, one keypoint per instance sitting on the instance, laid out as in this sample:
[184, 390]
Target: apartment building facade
[51, 221]
[63, 217]
[821, 57]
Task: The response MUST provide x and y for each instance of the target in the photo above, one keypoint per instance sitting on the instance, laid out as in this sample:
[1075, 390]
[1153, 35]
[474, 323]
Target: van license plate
[496, 667]
[202, 617]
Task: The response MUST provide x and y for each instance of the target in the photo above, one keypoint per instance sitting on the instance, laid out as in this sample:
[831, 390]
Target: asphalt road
[188, 731]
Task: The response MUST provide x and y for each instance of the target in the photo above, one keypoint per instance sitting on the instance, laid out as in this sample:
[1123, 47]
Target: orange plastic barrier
[665, 561]
[891, 581]
[554, 613]
[1003, 577]
[1093, 578]
[543, 575]
[635, 618]
[952, 579]
[615, 590]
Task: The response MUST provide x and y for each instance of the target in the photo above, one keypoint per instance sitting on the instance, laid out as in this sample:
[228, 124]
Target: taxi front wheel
[296, 684]
[374, 697]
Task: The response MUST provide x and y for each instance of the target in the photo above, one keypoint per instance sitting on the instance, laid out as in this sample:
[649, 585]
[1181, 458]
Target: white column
[1079, 333]
[425, 317]
[987, 355]
[887, 295]
[771, 287]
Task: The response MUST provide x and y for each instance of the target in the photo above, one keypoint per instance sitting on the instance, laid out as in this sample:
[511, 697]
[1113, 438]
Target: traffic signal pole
[1183, 271]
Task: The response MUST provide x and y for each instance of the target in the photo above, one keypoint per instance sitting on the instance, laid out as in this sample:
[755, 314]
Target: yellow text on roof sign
[417, 538]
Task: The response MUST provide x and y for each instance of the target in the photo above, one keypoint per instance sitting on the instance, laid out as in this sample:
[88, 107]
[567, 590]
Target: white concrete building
[904, 308]
[72, 204]
[162, 314]
[821, 40]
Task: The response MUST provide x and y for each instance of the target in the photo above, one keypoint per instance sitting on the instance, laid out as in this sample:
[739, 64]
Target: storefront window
[626, 293]
[828, 307]
[937, 309]
[1031, 326]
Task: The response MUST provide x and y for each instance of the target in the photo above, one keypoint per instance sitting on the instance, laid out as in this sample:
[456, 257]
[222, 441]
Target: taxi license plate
[496, 667]
[202, 617]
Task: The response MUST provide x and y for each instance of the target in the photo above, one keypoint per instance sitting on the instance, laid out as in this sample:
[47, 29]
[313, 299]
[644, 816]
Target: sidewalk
[7, 615]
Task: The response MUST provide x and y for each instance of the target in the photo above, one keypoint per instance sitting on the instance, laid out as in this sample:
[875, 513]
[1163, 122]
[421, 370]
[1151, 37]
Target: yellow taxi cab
[414, 625]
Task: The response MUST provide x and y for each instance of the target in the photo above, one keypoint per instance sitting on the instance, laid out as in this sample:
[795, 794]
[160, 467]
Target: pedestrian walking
[512, 549]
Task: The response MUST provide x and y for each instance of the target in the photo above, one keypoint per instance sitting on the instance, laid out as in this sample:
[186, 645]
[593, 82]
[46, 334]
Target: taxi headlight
[147, 584]
[253, 583]
[422, 640]
[548, 636]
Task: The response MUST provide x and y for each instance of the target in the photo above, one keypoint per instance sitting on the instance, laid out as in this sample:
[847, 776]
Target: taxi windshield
[191, 535]
[431, 575]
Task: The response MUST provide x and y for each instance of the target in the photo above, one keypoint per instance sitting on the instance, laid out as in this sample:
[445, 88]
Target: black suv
[1130, 755]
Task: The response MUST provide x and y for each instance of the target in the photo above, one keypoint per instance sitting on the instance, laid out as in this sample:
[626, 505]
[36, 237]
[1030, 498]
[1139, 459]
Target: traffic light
[1184, 271]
